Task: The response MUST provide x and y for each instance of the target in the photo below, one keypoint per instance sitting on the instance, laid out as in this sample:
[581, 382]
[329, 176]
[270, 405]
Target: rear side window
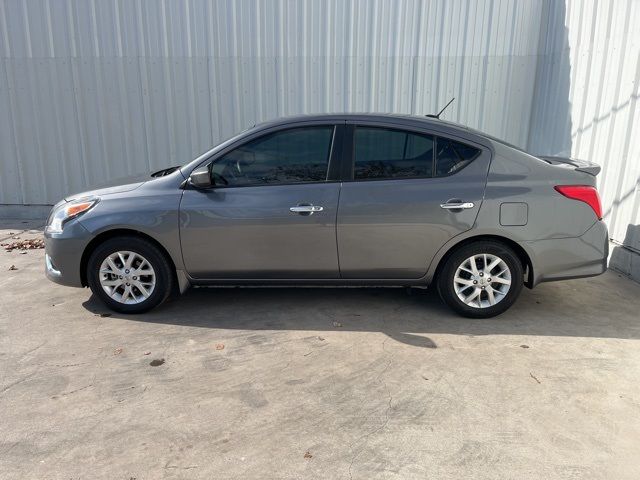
[297, 155]
[452, 156]
[387, 153]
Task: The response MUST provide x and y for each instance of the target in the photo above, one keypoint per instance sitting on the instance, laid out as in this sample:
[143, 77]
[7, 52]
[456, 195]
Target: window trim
[396, 129]
[435, 157]
[334, 158]
[349, 171]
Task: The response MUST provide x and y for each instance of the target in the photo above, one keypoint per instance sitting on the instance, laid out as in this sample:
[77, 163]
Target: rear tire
[481, 280]
[129, 274]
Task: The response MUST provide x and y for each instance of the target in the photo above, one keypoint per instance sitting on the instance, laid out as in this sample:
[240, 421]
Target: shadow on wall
[626, 258]
[551, 124]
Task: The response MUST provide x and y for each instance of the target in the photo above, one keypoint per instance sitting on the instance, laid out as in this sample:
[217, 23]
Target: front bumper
[63, 254]
[567, 258]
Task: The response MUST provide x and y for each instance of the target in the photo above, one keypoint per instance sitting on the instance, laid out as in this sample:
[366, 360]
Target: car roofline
[387, 117]
[441, 126]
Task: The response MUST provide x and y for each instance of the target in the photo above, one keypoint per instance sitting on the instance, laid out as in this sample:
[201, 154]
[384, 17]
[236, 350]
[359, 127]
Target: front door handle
[457, 205]
[306, 209]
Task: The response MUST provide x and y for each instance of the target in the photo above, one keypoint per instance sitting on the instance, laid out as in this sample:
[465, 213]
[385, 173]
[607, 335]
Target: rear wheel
[481, 280]
[129, 274]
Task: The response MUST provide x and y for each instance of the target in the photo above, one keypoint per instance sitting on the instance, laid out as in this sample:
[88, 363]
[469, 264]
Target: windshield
[217, 148]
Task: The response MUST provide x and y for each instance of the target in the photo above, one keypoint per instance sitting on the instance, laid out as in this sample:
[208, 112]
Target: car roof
[406, 119]
[355, 117]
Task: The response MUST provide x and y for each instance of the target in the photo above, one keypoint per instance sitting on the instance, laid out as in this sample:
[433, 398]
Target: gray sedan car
[384, 200]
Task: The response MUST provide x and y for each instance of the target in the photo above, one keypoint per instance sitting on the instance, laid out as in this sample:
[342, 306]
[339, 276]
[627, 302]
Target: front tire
[481, 280]
[129, 274]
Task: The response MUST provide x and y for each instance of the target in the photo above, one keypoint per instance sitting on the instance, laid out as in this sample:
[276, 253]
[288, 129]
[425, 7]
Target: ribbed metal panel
[97, 89]
[92, 90]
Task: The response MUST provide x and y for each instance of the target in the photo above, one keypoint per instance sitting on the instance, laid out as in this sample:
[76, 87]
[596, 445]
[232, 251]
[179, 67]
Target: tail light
[583, 193]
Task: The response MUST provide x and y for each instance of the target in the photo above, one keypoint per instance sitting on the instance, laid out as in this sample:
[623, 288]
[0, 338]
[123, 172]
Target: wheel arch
[522, 254]
[120, 232]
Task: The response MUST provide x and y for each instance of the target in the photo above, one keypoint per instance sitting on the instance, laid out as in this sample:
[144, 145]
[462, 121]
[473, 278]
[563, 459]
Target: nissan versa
[338, 200]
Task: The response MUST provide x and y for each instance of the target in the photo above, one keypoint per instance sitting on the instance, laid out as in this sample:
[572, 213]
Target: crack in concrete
[28, 352]
[17, 382]
[63, 365]
[76, 390]
[189, 467]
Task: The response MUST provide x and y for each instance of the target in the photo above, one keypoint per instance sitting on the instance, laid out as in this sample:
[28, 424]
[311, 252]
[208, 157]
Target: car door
[408, 193]
[272, 211]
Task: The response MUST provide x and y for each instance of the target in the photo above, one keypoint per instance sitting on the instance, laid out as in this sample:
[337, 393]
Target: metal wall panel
[92, 90]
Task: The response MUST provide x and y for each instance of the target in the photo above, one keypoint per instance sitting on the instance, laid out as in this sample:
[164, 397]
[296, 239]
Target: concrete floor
[317, 383]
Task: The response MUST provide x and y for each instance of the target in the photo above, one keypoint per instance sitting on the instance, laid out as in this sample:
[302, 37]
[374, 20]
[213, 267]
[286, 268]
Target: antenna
[440, 112]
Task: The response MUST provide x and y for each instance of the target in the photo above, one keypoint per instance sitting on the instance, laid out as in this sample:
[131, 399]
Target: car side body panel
[250, 232]
[152, 211]
[561, 237]
[392, 228]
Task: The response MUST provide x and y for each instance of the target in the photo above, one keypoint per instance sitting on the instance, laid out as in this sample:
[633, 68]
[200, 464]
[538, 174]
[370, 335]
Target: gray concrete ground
[317, 383]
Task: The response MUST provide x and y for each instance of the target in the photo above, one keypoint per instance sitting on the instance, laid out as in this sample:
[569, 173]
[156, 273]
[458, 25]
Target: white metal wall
[97, 89]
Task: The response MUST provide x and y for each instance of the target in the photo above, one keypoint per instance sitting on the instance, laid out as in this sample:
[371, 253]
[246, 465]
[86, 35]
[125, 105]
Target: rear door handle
[306, 209]
[457, 205]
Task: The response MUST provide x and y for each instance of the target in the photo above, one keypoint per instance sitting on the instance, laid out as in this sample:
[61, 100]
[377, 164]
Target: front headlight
[66, 212]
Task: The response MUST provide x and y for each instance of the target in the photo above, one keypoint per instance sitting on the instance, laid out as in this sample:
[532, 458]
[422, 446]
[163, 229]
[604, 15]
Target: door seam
[336, 232]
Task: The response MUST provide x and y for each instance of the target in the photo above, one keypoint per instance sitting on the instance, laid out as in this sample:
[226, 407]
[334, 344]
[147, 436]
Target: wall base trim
[25, 212]
[625, 260]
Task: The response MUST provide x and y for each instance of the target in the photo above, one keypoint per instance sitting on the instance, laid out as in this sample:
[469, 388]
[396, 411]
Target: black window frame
[348, 171]
[352, 163]
[333, 165]
[435, 155]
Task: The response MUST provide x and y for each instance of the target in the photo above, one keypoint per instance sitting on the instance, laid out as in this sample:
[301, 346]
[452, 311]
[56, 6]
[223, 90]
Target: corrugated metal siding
[586, 102]
[97, 89]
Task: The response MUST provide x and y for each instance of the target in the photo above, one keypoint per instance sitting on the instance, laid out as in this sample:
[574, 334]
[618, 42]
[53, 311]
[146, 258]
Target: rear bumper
[566, 258]
[63, 254]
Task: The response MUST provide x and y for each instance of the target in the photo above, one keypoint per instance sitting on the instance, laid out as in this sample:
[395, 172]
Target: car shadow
[580, 308]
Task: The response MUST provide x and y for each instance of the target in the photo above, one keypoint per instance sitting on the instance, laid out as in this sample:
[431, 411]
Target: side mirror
[201, 177]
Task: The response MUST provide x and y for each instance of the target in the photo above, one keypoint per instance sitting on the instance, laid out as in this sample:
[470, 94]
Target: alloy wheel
[482, 280]
[127, 277]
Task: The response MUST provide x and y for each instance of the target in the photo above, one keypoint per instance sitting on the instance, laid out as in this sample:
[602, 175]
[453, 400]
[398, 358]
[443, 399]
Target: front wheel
[129, 274]
[481, 280]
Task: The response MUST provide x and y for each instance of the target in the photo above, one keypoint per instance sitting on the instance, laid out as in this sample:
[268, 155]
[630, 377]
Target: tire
[489, 286]
[144, 285]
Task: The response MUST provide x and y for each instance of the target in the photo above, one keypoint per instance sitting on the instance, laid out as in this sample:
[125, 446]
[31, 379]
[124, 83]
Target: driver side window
[297, 155]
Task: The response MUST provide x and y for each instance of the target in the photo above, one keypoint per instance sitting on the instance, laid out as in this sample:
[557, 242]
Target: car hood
[119, 185]
[130, 183]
